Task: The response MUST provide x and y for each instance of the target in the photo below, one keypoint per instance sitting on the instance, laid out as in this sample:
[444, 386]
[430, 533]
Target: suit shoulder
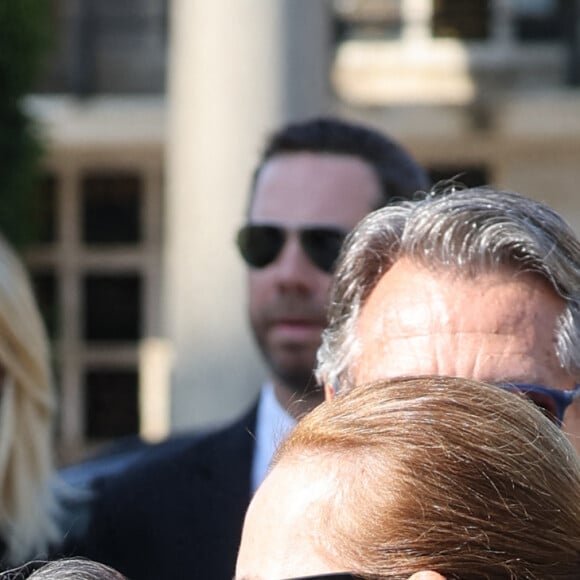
[183, 456]
[198, 482]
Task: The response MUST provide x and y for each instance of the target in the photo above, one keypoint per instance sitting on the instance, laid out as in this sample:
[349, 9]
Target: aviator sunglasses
[261, 244]
[552, 401]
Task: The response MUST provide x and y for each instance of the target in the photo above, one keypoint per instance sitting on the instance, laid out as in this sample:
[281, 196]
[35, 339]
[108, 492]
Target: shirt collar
[273, 424]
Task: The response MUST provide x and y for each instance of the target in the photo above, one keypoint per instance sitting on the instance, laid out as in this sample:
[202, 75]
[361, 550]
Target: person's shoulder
[133, 457]
[200, 443]
[120, 457]
[168, 481]
[180, 455]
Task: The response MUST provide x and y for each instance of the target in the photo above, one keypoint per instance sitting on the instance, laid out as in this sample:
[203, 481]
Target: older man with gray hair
[475, 283]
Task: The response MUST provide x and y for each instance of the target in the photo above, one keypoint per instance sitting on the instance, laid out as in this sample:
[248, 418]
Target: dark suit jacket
[177, 513]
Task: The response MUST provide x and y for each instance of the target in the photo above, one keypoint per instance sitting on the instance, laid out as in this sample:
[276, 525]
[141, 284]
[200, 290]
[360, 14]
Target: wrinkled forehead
[497, 325]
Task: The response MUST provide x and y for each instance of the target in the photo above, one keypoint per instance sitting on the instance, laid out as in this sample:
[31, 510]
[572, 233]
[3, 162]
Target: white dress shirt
[273, 424]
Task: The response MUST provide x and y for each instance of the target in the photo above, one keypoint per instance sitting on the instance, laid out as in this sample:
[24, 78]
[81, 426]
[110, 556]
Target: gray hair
[468, 231]
[63, 569]
[75, 569]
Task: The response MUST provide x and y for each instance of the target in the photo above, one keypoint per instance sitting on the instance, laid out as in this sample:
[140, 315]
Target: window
[111, 205]
[111, 403]
[44, 284]
[461, 19]
[476, 20]
[95, 272]
[537, 20]
[112, 307]
[367, 19]
[107, 46]
[45, 209]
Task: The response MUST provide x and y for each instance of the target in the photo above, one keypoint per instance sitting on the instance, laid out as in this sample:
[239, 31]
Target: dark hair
[398, 174]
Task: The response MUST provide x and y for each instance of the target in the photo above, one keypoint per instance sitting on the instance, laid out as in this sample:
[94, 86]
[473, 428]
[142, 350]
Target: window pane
[44, 284]
[537, 20]
[106, 46]
[461, 19]
[111, 403]
[367, 19]
[45, 210]
[112, 307]
[111, 204]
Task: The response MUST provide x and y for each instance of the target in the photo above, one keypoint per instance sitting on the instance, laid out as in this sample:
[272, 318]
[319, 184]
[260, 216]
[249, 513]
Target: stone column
[237, 70]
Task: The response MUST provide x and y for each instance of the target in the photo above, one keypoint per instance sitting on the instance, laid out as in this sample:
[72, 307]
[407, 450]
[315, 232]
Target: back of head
[75, 569]
[463, 231]
[442, 474]
[399, 175]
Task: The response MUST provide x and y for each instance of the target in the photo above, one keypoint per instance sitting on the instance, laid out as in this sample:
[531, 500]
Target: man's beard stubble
[298, 378]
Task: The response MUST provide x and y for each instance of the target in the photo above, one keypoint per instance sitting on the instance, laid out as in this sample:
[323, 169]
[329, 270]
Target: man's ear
[426, 575]
[329, 393]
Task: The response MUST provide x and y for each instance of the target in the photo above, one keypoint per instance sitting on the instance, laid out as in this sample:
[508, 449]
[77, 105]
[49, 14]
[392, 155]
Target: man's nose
[293, 267]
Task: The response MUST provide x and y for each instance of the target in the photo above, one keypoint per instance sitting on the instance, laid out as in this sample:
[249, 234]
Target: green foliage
[23, 42]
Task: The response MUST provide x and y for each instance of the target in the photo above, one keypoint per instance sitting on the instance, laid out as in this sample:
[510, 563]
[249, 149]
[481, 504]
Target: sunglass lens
[260, 245]
[546, 403]
[322, 245]
[542, 400]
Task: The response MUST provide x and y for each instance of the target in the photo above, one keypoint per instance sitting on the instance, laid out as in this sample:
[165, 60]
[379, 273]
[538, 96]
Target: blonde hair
[443, 474]
[27, 506]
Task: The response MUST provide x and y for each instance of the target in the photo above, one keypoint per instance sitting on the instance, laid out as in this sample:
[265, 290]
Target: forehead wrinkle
[469, 354]
[495, 327]
[392, 312]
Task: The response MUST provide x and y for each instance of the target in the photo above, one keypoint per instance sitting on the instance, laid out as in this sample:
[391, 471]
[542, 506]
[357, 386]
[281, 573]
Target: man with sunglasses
[315, 182]
[475, 283]
[179, 513]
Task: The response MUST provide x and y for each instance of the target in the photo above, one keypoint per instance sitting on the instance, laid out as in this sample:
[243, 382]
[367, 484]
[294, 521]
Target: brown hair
[398, 174]
[443, 474]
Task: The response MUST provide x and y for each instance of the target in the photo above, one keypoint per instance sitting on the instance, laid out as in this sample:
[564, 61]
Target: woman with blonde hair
[28, 507]
[424, 478]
